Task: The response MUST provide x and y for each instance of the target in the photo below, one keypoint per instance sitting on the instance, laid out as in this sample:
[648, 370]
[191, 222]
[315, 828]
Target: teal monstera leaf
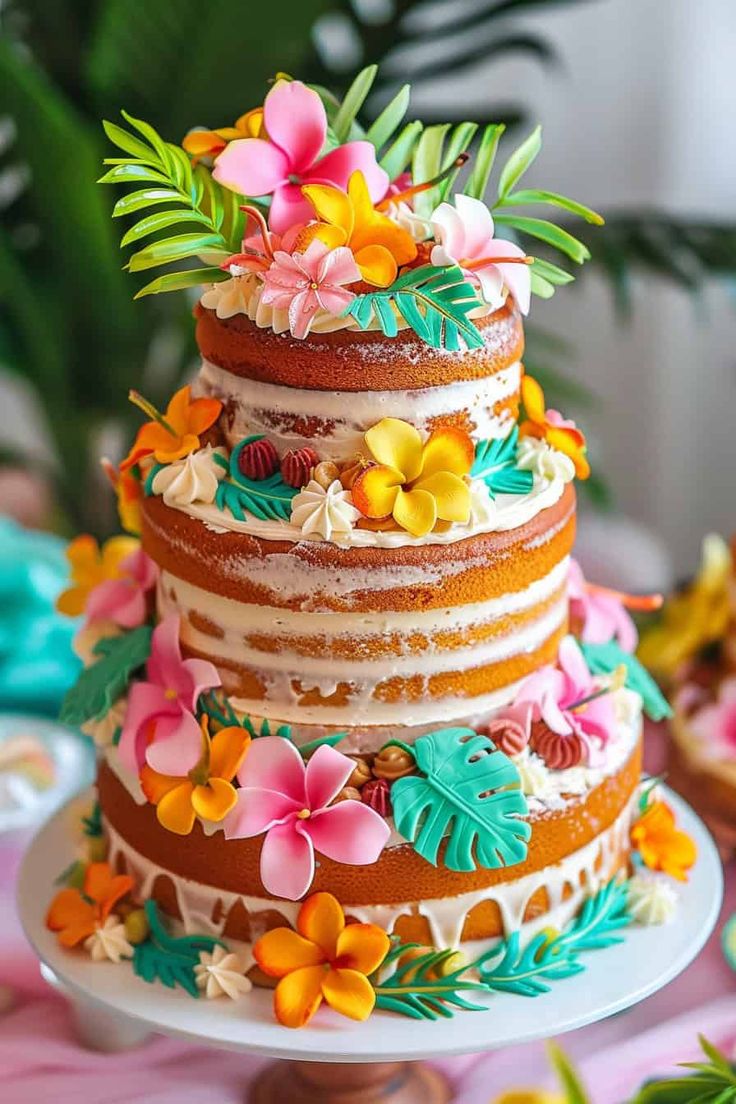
[469, 794]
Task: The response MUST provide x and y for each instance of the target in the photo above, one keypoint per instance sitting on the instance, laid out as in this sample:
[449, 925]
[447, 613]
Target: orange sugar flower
[417, 483]
[129, 493]
[91, 565]
[76, 914]
[324, 959]
[378, 244]
[201, 143]
[660, 843]
[207, 790]
[549, 425]
[175, 434]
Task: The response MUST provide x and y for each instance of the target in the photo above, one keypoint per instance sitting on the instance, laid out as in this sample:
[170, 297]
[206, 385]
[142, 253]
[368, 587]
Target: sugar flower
[200, 142]
[194, 478]
[160, 727]
[714, 726]
[650, 899]
[76, 914]
[325, 512]
[661, 845]
[570, 702]
[290, 157]
[305, 283]
[349, 218]
[600, 613]
[91, 565]
[221, 973]
[464, 236]
[206, 790]
[124, 600]
[108, 942]
[129, 495]
[325, 959]
[291, 803]
[416, 482]
[549, 425]
[170, 436]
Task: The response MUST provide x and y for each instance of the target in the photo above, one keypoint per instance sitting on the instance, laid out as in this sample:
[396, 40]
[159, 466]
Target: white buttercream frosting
[221, 973]
[482, 504]
[194, 478]
[109, 942]
[652, 899]
[326, 512]
[537, 456]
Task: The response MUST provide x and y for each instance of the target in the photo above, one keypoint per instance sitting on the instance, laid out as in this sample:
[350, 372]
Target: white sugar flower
[222, 974]
[537, 456]
[109, 942]
[192, 479]
[231, 297]
[651, 899]
[325, 512]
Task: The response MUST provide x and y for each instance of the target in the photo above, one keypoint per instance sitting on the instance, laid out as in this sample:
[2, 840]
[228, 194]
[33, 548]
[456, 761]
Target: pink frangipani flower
[124, 600]
[464, 236]
[601, 613]
[296, 125]
[305, 283]
[290, 802]
[160, 727]
[560, 697]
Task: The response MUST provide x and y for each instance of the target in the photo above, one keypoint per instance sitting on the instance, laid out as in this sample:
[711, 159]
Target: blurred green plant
[68, 324]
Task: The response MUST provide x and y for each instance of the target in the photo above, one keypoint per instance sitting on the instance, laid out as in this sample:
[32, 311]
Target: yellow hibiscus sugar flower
[380, 246]
[91, 565]
[417, 483]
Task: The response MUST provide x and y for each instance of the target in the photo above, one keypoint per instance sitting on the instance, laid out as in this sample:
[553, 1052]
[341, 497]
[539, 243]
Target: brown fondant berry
[326, 473]
[348, 793]
[393, 762]
[559, 752]
[361, 773]
[377, 794]
[296, 466]
[259, 459]
[350, 470]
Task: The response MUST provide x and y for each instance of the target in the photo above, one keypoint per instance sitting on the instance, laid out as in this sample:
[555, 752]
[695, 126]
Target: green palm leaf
[170, 960]
[465, 807]
[422, 988]
[495, 464]
[267, 499]
[603, 659]
[711, 1082]
[101, 684]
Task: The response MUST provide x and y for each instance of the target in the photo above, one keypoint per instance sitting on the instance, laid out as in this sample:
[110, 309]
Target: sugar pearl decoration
[326, 473]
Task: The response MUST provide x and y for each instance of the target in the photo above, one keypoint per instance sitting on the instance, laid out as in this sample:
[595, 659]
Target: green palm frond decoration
[603, 659]
[434, 301]
[217, 706]
[161, 957]
[495, 464]
[165, 177]
[100, 685]
[266, 499]
[465, 808]
[92, 823]
[425, 987]
[711, 1082]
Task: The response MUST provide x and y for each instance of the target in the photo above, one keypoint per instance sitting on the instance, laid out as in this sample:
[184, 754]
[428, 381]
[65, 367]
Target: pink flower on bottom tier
[160, 727]
[290, 802]
[559, 696]
[305, 283]
[601, 613]
[715, 724]
[296, 124]
[124, 600]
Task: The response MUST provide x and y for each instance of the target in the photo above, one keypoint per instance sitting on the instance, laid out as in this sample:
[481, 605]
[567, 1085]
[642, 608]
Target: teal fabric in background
[37, 664]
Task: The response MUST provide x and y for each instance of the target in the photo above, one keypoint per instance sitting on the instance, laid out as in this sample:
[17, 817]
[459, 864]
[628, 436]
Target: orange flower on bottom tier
[325, 959]
[660, 843]
[207, 790]
[76, 914]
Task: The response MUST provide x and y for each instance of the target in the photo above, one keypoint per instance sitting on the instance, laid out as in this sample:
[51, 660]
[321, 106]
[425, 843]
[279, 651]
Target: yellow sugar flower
[379, 245]
[201, 143]
[90, 566]
[417, 483]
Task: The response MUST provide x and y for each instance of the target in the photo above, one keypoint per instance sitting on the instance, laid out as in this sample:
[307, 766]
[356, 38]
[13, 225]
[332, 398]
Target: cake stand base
[376, 1083]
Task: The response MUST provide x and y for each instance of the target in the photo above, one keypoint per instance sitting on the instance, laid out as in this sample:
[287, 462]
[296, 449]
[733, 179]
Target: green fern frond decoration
[711, 1082]
[495, 464]
[218, 708]
[417, 988]
[92, 823]
[161, 957]
[434, 301]
[101, 684]
[603, 659]
[266, 499]
[194, 198]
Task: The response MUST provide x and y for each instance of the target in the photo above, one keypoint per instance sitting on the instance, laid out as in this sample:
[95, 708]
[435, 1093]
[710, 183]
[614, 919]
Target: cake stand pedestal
[335, 1061]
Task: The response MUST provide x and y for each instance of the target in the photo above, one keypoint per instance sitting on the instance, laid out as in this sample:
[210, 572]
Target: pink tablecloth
[41, 1060]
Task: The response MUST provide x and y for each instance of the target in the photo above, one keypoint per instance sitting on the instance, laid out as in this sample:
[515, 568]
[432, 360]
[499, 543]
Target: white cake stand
[335, 1060]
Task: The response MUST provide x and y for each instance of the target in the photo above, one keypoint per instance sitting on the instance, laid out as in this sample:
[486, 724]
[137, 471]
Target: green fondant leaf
[92, 823]
[434, 301]
[415, 988]
[605, 658]
[267, 499]
[99, 686]
[495, 464]
[467, 798]
[219, 709]
[168, 960]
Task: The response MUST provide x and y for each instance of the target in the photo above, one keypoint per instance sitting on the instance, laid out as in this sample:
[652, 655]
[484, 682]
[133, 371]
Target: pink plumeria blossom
[305, 283]
[124, 600]
[160, 727]
[290, 802]
[714, 726]
[556, 693]
[279, 165]
[464, 234]
[600, 613]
